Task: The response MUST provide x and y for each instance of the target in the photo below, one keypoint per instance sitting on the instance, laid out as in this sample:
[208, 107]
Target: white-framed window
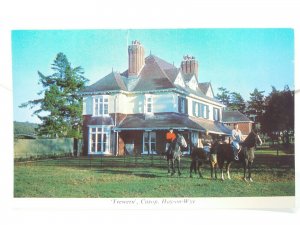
[196, 109]
[100, 105]
[99, 140]
[182, 105]
[200, 110]
[149, 142]
[216, 113]
[148, 103]
[204, 111]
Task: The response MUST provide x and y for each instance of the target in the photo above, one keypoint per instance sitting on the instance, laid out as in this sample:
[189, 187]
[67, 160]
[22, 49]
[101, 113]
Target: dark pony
[246, 155]
[199, 156]
[174, 154]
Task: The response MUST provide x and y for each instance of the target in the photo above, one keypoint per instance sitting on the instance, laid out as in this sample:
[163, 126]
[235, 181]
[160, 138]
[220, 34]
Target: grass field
[80, 178]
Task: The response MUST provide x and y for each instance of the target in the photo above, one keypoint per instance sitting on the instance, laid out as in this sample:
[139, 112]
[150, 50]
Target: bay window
[99, 139]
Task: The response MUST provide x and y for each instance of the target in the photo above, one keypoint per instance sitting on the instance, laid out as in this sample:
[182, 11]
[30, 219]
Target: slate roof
[164, 121]
[156, 74]
[204, 87]
[235, 117]
[99, 120]
[112, 81]
[212, 126]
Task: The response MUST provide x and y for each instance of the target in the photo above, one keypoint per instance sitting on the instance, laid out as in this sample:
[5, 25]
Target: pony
[246, 155]
[174, 154]
[199, 156]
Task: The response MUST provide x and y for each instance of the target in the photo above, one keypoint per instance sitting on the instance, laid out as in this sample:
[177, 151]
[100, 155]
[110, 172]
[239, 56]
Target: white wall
[131, 104]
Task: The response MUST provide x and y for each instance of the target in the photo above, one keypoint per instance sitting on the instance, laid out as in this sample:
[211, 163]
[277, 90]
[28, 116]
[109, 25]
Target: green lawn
[38, 180]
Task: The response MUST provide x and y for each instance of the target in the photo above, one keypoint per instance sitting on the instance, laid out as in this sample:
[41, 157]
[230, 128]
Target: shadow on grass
[144, 174]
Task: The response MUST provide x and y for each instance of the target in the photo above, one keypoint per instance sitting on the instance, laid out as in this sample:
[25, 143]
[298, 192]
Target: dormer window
[100, 105]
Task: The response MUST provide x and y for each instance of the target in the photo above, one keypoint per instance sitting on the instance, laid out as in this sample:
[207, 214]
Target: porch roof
[165, 121]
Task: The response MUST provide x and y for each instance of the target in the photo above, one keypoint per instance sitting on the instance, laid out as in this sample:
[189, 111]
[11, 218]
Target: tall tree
[278, 118]
[60, 107]
[233, 100]
[224, 96]
[237, 102]
[256, 105]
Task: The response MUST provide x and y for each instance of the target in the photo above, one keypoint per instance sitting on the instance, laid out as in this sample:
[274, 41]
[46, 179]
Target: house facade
[131, 112]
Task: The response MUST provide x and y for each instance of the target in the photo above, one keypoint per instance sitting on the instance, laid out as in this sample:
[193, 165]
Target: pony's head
[252, 139]
[181, 141]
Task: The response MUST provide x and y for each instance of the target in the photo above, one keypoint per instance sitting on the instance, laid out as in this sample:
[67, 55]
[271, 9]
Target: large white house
[132, 111]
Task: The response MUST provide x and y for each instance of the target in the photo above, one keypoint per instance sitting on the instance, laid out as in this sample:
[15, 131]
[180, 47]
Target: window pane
[96, 105]
[104, 147]
[146, 147]
[93, 130]
[153, 137]
[146, 136]
[152, 146]
[99, 142]
[93, 142]
[101, 110]
[105, 109]
[105, 99]
[101, 99]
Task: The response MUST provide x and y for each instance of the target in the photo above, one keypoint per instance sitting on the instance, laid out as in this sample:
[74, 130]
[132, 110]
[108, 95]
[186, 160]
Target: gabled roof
[204, 87]
[156, 74]
[153, 76]
[235, 117]
[112, 81]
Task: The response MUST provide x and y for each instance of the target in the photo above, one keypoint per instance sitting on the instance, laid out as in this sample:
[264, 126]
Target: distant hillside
[24, 128]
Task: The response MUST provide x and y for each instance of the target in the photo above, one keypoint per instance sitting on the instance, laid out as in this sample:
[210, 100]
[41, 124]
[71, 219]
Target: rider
[237, 138]
[170, 138]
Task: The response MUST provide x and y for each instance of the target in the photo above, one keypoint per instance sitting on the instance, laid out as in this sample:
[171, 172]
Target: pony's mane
[250, 139]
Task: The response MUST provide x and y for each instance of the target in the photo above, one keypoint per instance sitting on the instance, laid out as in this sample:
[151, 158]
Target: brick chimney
[189, 65]
[136, 58]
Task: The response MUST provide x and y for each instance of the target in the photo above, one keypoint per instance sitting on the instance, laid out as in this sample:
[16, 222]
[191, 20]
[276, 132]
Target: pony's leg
[245, 169]
[228, 170]
[211, 170]
[221, 168]
[199, 169]
[173, 167]
[192, 167]
[169, 165]
[178, 166]
[249, 171]
[215, 168]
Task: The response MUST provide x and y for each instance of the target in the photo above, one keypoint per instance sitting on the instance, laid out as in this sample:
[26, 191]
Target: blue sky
[237, 59]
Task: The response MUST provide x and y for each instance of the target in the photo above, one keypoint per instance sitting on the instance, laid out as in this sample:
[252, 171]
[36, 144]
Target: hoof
[179, 174]
[172, 174]
[250, 179]
[245, 179]
[191, 176]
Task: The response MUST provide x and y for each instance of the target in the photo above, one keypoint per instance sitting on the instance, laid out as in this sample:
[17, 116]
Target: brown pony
[246, 155]
[199, 156]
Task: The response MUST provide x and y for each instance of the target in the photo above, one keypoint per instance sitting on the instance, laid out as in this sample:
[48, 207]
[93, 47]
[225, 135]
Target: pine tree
[256, 105]
[237, 102]
[60, 107]
[224, 97]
